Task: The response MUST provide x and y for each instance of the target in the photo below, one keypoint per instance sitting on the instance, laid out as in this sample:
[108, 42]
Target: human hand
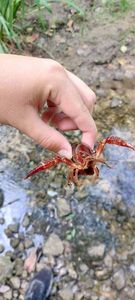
[38, 96]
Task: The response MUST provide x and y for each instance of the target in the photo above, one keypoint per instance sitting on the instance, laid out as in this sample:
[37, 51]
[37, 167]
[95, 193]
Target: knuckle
[57, 68]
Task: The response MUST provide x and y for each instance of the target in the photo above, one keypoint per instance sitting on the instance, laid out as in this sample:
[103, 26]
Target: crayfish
[84, 160]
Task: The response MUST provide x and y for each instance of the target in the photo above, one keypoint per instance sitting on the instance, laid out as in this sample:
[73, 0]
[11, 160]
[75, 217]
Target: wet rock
[63, 207]
[66, 294]
[80, 195]
[8, 232]
[6, 268]
[2, 248]
[53, 246]
[15, 282]
[97, 252]
[51, 193]
[2, 221]
[14, 242]
[14, 228]
[26, 221]
[28, 243]
[1, 197]
[119, 279]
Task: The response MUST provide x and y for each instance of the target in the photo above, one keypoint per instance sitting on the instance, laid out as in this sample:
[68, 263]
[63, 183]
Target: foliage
[120, 5]
[10, 9]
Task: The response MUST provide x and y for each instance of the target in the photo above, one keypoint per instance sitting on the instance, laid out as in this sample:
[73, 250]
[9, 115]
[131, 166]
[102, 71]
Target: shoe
[40, 286]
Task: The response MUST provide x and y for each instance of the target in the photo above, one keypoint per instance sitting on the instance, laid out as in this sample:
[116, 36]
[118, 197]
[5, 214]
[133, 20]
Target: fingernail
[65, 153]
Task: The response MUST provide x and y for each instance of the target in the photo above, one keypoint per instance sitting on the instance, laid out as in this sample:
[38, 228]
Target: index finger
[69, 100]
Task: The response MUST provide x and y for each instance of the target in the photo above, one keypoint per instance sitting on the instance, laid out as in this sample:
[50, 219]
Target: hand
[38, 96]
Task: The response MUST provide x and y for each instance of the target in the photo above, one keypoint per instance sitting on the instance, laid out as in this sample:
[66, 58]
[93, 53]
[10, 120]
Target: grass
[118, 5]
[11, 9]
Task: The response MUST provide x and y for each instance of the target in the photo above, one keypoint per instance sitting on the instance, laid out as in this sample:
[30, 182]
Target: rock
[62, 272]
[14, 242]
[108, 261]
[129, 76]
[1, 197]
[8, 295]
[15, 282]
[6, 268]
[26, 221]
[2, 248]
[116, 102]
[53, 245]
[79, 296]
[97, 252]
[51, 193]
[4, 289]
[103, 274]
[119, 279]
[66, 294]
[2, 221]
[14, 228]
[63, 207]
[84, 268]
[72, 273]
[28, 243]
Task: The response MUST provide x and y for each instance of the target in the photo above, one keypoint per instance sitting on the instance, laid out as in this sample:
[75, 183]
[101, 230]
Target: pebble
[14, 228]
[102, 274]
[14, 242]
[8, 295]
[51, 193]
[6, 268]
[96, 252]
[66, 294]
[15, 282]
[119, 279]
[28, 243]
[4, 289]
[71, 271]
[63, 207]
[53, 246]
[26, 221]
[84, 268]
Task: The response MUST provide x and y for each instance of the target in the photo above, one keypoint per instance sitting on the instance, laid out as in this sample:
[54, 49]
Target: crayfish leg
[118, 141]
[113, 140]
[47, 164]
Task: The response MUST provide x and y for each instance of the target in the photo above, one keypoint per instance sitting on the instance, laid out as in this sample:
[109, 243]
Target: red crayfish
[84, 159]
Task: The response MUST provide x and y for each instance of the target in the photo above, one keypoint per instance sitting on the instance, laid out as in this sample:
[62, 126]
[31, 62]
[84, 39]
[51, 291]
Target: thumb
[45, 135]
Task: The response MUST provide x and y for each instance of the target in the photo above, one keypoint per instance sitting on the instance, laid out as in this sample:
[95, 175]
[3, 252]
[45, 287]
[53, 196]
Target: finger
[86, 93]
[58, 120]
[68, 99]
[43, 134]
